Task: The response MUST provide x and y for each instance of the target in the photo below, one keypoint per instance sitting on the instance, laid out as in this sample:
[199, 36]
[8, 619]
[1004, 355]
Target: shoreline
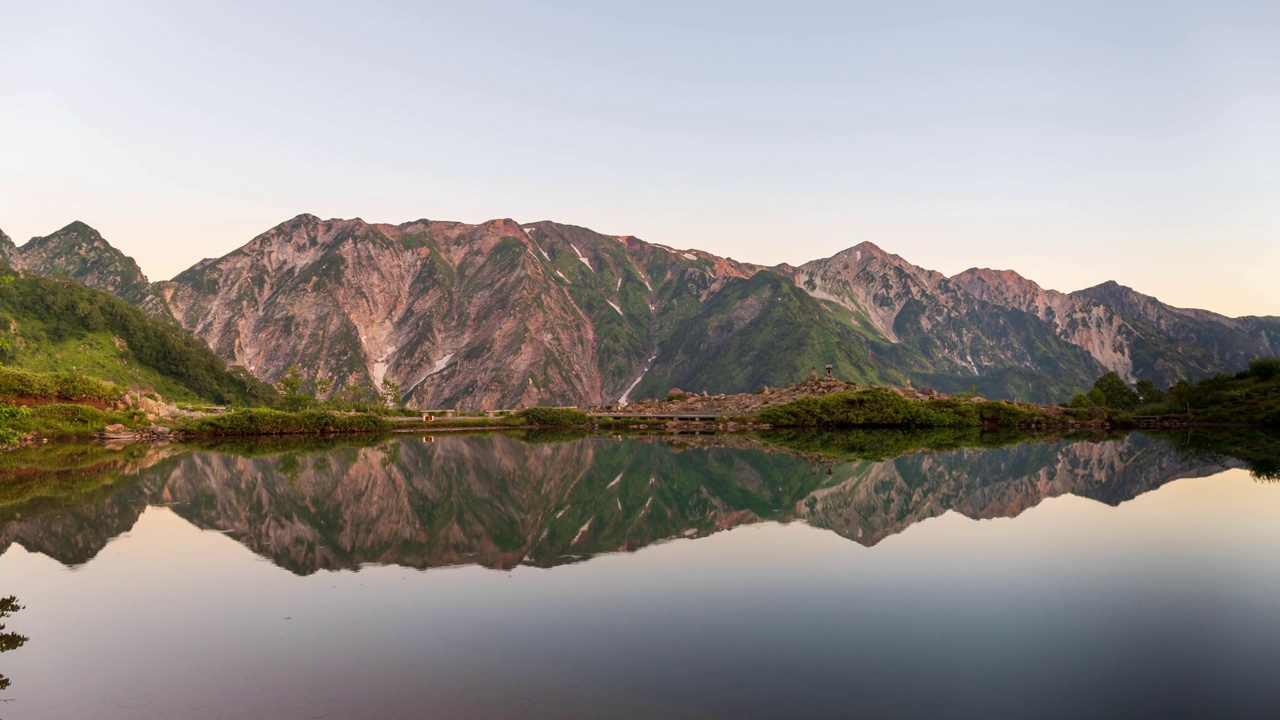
[670, 427]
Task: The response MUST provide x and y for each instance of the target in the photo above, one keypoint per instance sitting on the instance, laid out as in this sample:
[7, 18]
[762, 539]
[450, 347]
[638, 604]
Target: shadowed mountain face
[499, 501]
[504, 314]
[1133, 334]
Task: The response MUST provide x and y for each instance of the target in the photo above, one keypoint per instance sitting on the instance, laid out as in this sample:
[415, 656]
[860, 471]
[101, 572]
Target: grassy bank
[279, 422]
[21, 384]
[877, 407]
[261, 421]
[1250, 397]
[63, 421]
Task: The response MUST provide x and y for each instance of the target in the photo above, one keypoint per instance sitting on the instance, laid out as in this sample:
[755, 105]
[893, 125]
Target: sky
[1074, 142]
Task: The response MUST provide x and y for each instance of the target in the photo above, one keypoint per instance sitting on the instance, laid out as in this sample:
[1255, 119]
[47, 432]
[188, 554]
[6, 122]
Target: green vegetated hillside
[59, 326]
[765, 330]
[759, 330]
[1248, 397]
[1251, 396]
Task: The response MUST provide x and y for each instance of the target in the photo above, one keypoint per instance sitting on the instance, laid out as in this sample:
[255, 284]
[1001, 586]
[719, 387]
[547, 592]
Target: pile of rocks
[154, 409]
[119, 433]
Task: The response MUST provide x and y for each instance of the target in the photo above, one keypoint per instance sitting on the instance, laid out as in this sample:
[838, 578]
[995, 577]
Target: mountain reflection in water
[153, 583]
[500, 501]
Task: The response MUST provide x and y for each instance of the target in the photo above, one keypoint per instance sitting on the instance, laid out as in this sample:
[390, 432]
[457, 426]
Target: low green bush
[545, 416]
[15, 383]
[1264, 369]
[1250, 397]
[58, 420]
[261, 421]
[877, 407]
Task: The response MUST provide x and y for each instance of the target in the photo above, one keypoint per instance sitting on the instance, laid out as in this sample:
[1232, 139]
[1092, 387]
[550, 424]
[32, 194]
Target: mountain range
[507, 314]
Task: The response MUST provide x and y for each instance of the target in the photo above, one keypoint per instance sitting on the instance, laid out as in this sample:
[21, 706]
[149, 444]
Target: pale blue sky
[1074, 142]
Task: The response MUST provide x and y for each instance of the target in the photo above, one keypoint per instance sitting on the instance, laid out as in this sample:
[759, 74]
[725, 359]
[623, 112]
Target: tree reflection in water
[9, 640]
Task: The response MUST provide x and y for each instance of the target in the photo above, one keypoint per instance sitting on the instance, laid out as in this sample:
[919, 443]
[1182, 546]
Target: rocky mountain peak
[1123, 299]
[79, 252]
[872, 284]
[70, 238]
[301, 220]
[868, 257]
[80, 227]
[867, 246]
[1128, 301]
[1110, 286]
[305, 234]
[859, 255]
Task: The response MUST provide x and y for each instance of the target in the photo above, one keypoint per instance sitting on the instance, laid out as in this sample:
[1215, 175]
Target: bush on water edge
[1249, 397]
[548, 416]
[62, 421]
[877, 407]
[261, 421]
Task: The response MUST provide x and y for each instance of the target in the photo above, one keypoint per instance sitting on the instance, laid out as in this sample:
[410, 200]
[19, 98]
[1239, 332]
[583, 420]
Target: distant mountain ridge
[505, 314]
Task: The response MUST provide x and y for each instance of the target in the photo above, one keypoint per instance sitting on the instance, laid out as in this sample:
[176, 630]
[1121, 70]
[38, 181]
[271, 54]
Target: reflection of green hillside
[885, 444]
[60, 472]
[497, 500]
[1258, 449]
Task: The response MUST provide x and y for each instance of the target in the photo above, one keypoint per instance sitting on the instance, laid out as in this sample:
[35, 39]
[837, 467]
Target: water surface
[474, 577]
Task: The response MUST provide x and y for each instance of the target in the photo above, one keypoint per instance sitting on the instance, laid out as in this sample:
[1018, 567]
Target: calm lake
[557, 577]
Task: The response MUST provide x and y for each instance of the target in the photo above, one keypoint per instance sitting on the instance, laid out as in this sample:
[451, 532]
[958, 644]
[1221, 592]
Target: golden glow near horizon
[1073, 144]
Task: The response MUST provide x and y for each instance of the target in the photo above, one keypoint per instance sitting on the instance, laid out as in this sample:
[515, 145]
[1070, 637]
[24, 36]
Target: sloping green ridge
[758, 331]
[54, 325]
[764, 330]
